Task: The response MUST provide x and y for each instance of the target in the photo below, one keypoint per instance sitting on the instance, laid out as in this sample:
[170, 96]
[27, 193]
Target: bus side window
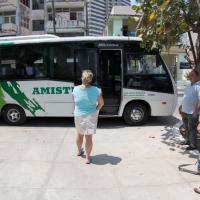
[146, 72]
[31, 62]
[7, 63]
[152, 65]
[62, 63]
[85, 59]
[134, 64]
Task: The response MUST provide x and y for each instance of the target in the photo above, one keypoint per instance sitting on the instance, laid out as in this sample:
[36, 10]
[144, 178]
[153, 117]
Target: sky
[132, 2]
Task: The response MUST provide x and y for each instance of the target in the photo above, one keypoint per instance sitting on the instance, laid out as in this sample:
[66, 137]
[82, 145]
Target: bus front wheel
[14, 115]
[135, 114]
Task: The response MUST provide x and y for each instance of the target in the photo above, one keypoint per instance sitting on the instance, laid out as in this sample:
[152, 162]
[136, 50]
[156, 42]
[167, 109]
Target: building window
[25, 2]
[58, 12]
[65, 9]
[49, 14]
[25, 22]
[62, 10]
[38, 4]
[58, 9]
[72, 15]
[38, 25]
[80, 16]
[76, 9]
[12, 19]
[7, 17]
[76, 14]
[6, 20]
[49, 10]
[50, 17]
[125, 30]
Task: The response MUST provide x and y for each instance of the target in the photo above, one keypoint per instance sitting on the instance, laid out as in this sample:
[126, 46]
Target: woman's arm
[100, 102]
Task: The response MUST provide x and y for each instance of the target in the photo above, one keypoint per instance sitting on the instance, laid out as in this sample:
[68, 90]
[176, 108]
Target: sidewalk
[129, 163]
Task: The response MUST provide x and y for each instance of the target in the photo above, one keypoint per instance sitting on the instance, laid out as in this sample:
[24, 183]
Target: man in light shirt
[190, 109]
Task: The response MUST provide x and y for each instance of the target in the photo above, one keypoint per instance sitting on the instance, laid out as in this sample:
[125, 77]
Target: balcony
[64, 3]
[73, 1]
[63, 26]
[8, 29]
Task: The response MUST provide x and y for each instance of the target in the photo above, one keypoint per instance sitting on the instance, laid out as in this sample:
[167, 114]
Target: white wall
[117, 27]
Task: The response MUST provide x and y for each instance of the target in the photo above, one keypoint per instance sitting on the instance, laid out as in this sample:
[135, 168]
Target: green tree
[163, 23]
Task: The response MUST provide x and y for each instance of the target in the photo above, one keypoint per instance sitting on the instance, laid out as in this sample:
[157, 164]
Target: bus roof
[9, 38]
[52, 38]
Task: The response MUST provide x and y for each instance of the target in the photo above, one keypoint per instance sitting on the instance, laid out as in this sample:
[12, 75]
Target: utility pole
[54, 17]
[86, 18]
[18, 19]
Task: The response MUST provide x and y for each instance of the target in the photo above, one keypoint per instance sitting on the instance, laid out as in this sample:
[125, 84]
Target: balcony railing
[65, 25]
[70, 3]
[65, 1]
[8, 27]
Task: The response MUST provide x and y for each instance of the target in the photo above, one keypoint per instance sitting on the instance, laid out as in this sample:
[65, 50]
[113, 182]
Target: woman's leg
[79, 142]
[88, 147]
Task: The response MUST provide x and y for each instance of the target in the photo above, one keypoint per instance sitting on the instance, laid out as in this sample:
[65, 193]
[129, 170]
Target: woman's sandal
[197, 190]
[88, 161]
[81, 152]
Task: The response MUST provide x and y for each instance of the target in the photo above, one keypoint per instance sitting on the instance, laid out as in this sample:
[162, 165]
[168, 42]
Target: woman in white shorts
[88, 101]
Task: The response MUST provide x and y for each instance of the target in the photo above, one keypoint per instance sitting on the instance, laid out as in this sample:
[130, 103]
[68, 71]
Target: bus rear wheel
[14, 115]
[135, 114]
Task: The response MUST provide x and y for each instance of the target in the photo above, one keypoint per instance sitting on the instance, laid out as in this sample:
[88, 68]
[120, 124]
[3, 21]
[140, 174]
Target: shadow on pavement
[108, 123]
[153, 121]
[173, 139]
[103, 159]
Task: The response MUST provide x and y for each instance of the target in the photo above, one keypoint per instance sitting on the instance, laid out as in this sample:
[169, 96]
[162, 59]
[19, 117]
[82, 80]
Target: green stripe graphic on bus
[13, 90]
[6, 43]
[2, 100]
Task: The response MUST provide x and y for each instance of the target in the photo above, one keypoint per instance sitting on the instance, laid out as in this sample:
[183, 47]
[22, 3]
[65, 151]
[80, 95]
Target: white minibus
[38, 74]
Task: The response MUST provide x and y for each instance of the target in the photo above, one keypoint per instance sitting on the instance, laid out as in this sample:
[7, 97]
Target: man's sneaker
[184, 143]
[190, 148]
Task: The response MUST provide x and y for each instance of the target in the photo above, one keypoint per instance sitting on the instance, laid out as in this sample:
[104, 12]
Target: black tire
[14, 115]
[135, 114]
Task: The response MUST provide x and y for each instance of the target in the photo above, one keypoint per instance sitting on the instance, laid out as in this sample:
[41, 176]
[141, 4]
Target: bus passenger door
[110, 79]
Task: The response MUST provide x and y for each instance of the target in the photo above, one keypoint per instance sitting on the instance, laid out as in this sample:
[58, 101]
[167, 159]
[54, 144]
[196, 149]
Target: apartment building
[14, 17]
[79, 17]
[25, 17]
[72, 17]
